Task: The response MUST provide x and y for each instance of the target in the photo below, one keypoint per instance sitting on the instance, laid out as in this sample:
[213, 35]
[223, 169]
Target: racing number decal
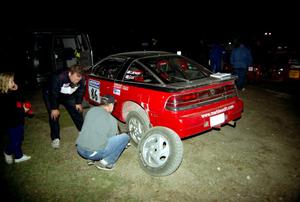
[94, 90]
[93, 94]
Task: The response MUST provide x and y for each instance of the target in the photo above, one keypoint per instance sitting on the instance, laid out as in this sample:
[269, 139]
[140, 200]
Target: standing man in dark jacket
[66, 88]
[240, 59]
[215, 57]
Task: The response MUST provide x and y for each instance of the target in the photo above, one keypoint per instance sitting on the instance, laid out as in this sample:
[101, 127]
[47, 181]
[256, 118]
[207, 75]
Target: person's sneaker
[90, 162]
[102, 165]
[128, 145]
[55, 143]
[8, 158]
[23, 158]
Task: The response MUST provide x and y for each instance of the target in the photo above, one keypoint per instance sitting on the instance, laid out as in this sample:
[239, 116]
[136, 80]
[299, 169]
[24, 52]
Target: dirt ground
[258, 160]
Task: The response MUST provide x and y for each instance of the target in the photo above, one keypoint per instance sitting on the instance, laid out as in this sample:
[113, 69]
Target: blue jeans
[111, 153]
[16, 137]
[242, 75]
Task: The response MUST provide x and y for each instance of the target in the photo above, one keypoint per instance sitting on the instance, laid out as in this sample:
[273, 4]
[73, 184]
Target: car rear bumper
[200, 120]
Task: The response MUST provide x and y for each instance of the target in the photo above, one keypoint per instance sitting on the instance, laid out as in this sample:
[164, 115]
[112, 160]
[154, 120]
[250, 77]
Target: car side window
[108, 69]
[137, 73]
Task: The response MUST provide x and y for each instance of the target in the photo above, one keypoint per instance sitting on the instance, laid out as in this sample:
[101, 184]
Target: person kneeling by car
[99, 139]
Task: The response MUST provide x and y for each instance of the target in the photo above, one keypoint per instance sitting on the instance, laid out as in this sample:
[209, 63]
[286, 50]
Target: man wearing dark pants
[240, 59]
[67, 88]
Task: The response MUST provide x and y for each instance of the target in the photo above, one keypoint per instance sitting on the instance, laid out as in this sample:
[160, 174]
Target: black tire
[137, 125]
[160, 151]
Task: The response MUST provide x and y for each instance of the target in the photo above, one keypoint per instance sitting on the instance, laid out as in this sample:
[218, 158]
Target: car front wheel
[160, 151]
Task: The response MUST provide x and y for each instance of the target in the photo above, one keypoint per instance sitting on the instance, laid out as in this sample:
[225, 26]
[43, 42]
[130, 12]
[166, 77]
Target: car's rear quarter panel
[185, 122]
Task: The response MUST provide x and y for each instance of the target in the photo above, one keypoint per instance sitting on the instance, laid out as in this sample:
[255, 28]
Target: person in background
[99, 140]
[241, 59]
[13, 111]
[65, 87]
[216, 57]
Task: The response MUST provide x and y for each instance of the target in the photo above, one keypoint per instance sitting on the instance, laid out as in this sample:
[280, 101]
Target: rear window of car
[108, 68]
[137, 73]
[173, 69]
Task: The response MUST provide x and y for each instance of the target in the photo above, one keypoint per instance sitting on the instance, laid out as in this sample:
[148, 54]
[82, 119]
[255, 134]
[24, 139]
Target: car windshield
[172, 69]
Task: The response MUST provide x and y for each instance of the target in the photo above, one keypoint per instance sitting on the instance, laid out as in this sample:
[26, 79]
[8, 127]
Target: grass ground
[53, 175]
[258, 160]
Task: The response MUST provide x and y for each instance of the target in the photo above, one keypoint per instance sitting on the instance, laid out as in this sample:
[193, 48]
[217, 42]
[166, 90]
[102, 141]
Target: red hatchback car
[163, 98]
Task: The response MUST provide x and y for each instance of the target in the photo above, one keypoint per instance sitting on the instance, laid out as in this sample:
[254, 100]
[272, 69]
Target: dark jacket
[241, 57]
[11, 114]
[59, 88]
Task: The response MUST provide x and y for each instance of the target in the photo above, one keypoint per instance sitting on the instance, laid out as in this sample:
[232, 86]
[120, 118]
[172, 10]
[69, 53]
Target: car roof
[141, 54]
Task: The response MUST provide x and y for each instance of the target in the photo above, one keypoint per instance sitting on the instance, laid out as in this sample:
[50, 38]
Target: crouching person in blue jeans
[99, 140]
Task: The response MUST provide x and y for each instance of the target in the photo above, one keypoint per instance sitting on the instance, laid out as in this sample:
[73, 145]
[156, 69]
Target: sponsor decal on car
[117, 85]
[218, 111]
[117, 91]
[94, 90]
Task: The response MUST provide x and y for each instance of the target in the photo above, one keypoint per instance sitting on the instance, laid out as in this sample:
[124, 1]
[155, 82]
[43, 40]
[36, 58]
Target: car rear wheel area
[160, 151]
[137, 125]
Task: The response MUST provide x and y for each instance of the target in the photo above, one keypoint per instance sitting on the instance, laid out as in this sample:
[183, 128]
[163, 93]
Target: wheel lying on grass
[137, 125]
[160, 151]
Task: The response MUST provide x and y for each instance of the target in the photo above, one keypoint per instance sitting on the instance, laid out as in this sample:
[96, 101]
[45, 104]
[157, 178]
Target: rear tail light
[196, 99]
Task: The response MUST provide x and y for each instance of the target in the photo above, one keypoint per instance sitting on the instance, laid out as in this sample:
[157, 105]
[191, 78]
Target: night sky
[174, 24]
[173, 19]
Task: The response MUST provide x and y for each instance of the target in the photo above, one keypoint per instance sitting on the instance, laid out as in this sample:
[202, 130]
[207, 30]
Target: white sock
[103, 162]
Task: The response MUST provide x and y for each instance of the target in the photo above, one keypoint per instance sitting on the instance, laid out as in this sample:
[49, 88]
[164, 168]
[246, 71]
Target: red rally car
[163, 97]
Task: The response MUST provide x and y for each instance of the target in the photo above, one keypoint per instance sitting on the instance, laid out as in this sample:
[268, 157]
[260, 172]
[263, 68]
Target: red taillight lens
[187, 97]
[192, 100]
